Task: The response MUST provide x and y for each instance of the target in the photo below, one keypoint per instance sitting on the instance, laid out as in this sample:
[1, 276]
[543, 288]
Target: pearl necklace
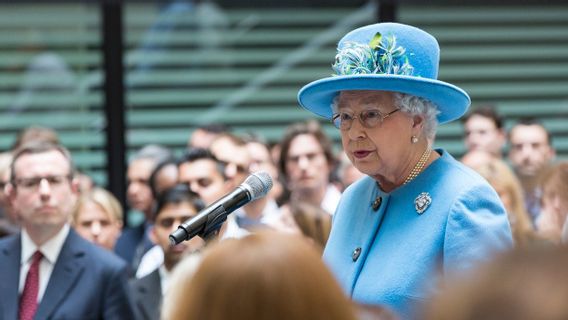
[419, 166]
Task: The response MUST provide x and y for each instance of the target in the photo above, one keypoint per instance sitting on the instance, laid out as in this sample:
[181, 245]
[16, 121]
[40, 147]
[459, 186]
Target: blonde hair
[263, 276]
[501, 177]
[103, 198]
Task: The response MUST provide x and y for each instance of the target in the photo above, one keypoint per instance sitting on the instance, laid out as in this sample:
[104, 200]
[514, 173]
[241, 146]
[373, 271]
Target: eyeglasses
[368, 118]
[33, 183]
[169, 222]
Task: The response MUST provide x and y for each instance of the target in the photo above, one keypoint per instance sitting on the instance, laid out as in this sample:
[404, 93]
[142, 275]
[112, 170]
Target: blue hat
[387, 57]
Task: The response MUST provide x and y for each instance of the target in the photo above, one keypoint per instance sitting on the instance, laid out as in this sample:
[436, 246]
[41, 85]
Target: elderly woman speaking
[419, 213]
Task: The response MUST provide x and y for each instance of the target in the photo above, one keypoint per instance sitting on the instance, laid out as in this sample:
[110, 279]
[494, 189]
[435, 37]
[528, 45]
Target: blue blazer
[87, 282]
[132, 244]
[392, 256]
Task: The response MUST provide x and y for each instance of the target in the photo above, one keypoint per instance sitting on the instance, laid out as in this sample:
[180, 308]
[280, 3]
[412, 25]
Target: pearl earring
[414, 139]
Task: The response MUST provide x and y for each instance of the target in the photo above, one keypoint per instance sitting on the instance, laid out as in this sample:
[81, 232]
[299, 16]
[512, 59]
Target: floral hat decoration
[387, 57]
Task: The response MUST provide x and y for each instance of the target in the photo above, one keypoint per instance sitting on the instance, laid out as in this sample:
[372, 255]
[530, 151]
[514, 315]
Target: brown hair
[312, 128]
[35, 133]
[313, 221]
[263, 276]
[35, 147]
[524, 284]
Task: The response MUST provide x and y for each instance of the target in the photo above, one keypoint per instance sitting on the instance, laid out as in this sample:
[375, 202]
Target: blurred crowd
[283, 234]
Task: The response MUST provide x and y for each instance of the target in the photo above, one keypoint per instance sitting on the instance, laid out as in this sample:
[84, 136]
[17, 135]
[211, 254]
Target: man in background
[47, 270]
[531, 152]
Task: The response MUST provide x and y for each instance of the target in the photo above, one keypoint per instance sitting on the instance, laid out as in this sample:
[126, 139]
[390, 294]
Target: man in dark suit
[134, 242]
[47, 270]
[174, 206]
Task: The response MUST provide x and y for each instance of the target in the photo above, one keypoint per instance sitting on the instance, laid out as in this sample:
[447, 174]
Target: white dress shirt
[50, 251]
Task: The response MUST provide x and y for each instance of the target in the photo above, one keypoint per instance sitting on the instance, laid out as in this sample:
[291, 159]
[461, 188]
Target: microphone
[208, 221]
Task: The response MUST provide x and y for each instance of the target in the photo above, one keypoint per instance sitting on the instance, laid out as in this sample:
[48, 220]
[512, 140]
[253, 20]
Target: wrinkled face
[167, 221]
[203, 178]
[44, 194]
[138, 192]
[96, 225]
[530, 151]
[307, 167]
[482, 134]
[383, 149]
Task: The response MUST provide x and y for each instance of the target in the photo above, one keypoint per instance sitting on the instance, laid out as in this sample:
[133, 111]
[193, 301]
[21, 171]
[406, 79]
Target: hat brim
[452, 102]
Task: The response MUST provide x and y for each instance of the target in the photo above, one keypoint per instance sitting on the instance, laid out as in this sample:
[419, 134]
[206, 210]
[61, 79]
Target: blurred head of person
[35, 133]
[203, 136]
[174, 206]
[526, 284]
[261, 160]
[306, 219]
[164, 176]
[263, 276]
[306, 158]
[98, 217]
[232, 151]
[140, 168]
[483, 129]
[554, 201]
[530, 149]
[510, 191]
[204, 174]
[42, 190]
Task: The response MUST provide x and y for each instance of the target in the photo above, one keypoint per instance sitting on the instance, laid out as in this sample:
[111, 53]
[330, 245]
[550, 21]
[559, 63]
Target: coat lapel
[10, 256]
[149, 291]
[66, 272]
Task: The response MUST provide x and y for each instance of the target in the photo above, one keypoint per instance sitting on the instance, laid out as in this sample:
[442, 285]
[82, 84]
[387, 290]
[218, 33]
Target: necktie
[28, 300]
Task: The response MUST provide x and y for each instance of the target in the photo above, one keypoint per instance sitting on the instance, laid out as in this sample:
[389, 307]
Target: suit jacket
[147, 296]
[132, 244]
[87, 282]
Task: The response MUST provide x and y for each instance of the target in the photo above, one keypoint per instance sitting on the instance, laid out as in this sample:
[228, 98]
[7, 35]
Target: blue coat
[391, 256]
[87, 282]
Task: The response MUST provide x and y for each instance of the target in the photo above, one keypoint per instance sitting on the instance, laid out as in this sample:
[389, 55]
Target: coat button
[356, 254]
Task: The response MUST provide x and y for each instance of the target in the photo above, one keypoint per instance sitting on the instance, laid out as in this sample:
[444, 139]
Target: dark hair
[178, 194]
[486, 111]
[156, 171]
[531, 121]
[312, 128]
[35, 147]
[194, 154]
[214, 128]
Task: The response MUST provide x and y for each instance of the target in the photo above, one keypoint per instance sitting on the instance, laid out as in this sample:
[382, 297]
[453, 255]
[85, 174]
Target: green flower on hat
[373, 58]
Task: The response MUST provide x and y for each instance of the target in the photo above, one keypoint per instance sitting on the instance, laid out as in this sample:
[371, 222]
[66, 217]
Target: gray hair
[413, 106]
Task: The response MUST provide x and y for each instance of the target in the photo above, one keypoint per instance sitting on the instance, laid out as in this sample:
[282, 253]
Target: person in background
[308, 220]
[206, 176]
[163, 177]
[48, 271]
[8, 221]
[483, 128]
[508, 187]
[554, 213]
[203, 136]
[526, 284]
[174, 206]
[134, 242]
[530, 154]
[419, 214]
[306, 162]
[35, 133]
[98, 217]
[263, 276]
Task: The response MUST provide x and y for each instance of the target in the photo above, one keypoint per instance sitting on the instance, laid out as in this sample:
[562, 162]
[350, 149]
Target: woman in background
[98, 217]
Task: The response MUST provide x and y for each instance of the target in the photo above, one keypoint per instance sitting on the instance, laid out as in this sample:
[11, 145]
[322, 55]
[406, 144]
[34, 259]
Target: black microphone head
[258, 184]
